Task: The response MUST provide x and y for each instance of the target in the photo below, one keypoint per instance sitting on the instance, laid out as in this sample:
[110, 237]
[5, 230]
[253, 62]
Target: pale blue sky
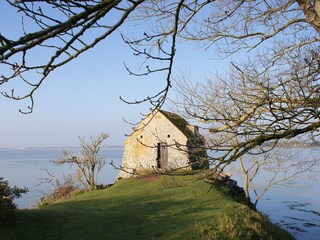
[82, 98]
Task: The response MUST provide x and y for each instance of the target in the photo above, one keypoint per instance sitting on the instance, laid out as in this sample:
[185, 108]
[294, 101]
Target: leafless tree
[260, 173]
[272, 93]
[62, 30]
[89, 163]
[244, 110]
[246, 116]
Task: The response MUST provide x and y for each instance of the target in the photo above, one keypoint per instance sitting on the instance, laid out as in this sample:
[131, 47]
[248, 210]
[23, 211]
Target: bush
[103, 186]
[7, 196]
[67, 189]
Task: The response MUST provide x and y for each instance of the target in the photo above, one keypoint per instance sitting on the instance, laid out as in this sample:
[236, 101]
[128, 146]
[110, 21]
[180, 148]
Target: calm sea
[27, 167]
[295, 208]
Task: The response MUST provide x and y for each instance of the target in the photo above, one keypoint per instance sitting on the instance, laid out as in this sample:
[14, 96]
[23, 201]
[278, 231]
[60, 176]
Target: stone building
[163, 141]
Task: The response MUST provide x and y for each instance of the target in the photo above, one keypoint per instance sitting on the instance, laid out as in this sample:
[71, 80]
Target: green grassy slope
[145, 209]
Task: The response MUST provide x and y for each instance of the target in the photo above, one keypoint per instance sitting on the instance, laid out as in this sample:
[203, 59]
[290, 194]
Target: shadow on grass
[133, 209]
[139, 214]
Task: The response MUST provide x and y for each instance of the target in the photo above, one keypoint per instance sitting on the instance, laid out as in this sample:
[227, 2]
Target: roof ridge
[179, 122]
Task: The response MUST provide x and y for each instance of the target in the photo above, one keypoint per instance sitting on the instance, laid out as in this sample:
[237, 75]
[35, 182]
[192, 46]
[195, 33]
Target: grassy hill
[145, 208]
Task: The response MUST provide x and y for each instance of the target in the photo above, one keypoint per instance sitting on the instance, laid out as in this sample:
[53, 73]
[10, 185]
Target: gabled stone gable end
[162, 141]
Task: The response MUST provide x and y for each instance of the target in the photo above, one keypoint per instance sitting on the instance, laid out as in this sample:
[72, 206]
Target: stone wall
[140, 149]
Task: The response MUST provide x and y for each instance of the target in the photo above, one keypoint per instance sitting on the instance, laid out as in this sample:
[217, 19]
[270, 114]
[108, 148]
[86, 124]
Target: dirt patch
[151, 178]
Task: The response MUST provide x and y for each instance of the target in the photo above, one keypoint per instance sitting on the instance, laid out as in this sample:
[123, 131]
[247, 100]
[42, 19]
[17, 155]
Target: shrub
[7, 196]
[103, 186]
[67, 189]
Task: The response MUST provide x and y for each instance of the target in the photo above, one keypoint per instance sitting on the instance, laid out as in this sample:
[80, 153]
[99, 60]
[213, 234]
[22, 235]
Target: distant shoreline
[39, 148]
[122, 146]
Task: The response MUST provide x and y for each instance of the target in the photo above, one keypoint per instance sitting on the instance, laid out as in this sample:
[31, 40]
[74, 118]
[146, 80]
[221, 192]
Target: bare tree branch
[90, 163]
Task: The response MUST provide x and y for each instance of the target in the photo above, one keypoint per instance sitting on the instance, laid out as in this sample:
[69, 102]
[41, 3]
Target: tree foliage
[7, 196]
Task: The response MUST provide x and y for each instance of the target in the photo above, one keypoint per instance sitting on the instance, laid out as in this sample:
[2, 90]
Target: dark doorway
[162, 155]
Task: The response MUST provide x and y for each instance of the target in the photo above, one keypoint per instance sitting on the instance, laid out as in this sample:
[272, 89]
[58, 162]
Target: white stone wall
[140, 149]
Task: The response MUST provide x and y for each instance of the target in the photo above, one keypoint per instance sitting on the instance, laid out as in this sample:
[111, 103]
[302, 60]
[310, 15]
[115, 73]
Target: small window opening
[141, 136]
[168, 136]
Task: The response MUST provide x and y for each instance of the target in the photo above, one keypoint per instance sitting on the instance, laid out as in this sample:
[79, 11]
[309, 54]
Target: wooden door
[162, 158]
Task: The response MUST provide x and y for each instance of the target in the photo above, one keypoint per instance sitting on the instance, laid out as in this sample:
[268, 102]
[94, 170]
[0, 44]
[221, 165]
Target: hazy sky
[82, 98]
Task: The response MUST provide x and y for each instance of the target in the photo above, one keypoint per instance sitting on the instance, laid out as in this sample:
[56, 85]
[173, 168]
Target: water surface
[27, 167]
[295, 208]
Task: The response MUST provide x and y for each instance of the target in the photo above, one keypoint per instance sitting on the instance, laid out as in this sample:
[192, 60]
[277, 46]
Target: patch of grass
[169, 208]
